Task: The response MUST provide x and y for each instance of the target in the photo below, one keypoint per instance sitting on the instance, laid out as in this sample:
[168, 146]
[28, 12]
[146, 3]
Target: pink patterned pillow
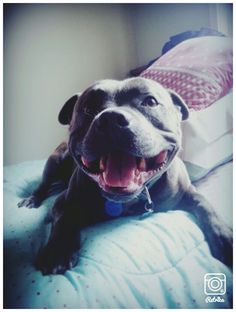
[200, 70]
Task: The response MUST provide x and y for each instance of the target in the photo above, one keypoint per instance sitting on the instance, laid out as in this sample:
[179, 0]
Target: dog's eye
[150, 101]
[89, 111]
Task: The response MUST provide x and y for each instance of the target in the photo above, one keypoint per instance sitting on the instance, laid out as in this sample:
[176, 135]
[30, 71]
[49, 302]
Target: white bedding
[158, 262]
[217, 187]
[208, 138]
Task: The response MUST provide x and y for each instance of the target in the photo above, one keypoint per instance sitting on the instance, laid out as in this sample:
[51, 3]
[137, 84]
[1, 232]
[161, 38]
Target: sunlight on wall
[52, 51]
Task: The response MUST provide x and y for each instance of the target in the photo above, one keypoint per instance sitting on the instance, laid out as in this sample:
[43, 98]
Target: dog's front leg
[74, 209]
[218, 235]
[61, 251]
[56, 174]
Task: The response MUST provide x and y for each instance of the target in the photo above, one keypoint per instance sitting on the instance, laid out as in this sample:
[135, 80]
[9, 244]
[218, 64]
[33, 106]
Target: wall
[51, 52]
[155, 23]
[221, 18]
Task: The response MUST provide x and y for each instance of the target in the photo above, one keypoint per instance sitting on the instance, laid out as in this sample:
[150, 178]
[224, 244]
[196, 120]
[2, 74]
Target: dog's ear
[66, 112]
[177, 100]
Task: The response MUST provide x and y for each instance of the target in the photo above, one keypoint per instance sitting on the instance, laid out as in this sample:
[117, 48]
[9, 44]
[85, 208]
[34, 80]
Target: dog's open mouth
[119, 172]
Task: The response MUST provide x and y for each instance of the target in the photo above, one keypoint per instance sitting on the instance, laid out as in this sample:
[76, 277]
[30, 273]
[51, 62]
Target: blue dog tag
[113, 209]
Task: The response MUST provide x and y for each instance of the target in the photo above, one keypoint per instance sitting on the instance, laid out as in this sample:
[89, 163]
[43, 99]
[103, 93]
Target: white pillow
[207, 137]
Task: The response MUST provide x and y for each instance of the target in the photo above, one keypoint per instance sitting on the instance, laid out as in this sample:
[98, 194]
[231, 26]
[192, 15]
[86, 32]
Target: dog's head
[124, 134]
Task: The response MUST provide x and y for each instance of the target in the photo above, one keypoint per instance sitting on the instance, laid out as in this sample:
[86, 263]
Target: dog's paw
[222, 245]
[54, 259]
[29, 202]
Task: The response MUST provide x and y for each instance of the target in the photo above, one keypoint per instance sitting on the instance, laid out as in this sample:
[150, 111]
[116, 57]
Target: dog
[121, 159]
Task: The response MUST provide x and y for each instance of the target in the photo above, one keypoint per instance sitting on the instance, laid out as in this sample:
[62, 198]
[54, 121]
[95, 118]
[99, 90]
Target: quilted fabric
[200, 70]
[157, 262]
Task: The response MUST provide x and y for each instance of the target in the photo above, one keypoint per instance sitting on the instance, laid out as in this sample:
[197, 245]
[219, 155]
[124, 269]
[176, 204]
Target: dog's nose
[109, 120]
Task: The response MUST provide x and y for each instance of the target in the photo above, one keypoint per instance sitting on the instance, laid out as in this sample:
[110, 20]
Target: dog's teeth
[102, 164]
[85, 162]
[161, 167]
[137, 172]
[142, 165]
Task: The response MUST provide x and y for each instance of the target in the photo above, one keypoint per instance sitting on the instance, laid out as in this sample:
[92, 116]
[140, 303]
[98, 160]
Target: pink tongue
[120, 170]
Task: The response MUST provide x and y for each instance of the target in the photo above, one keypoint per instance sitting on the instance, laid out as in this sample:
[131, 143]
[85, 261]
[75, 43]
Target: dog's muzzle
[123, 154]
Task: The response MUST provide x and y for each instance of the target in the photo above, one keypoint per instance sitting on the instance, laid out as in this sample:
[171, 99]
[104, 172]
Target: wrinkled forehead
[129, 88]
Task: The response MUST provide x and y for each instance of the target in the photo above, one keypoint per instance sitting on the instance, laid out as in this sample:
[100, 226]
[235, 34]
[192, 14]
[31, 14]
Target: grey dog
[120, 159]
